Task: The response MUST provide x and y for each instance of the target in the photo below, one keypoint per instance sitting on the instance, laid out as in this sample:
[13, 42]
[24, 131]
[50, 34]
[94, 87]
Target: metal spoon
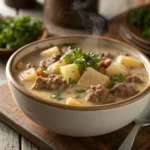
[128, 142]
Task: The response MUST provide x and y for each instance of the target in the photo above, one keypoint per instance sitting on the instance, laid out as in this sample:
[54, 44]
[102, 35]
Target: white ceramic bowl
[73, 120]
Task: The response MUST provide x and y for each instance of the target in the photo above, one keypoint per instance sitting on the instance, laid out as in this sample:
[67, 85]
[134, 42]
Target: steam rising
[91, 21]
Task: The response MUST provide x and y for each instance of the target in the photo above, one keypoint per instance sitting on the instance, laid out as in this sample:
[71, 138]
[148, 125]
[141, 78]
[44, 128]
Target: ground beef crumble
[49, 61]
[97, 94]
[52, 82]
[134, 78]
[124, 89]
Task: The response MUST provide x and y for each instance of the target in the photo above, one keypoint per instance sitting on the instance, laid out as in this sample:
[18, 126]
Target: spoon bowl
[128, 142]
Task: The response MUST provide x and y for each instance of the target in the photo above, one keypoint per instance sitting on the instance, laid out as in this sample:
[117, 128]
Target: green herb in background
[141, 18]
[146, 32]
[18, 31]
[136, 16]
[57, 95]
[146, 21]
[82, 60]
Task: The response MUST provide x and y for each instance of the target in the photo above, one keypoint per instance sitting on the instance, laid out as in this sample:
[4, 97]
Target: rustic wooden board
[13, 117]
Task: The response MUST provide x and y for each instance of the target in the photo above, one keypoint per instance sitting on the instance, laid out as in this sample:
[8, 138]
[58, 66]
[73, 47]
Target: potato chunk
[72, 101]
[55, 67]
[129, 62]
[116, 69]
[93, 77]
[50, 51]
[70, 71]
[28, 75]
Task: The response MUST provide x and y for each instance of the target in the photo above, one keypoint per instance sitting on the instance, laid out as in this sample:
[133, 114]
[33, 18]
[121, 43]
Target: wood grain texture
[26, 145]
[9, 139]
[46, 140]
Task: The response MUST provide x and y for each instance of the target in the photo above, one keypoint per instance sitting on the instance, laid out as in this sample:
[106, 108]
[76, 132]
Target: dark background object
[65, 12]
[75, 14]
[20, 3]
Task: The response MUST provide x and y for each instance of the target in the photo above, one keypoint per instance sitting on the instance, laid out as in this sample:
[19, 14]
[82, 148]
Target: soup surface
[82, 76]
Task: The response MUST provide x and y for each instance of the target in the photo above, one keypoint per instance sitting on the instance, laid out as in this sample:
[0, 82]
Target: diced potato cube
[50, 51]
[93, 77]
[72, 101]
[55, 67]
[28, 75]
[129, 62]
[70, 71]
[116, 69]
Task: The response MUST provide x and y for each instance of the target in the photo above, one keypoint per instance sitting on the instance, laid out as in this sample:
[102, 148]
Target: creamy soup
[74, 75]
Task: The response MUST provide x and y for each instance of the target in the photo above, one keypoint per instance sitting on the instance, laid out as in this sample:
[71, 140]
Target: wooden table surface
[9, 139]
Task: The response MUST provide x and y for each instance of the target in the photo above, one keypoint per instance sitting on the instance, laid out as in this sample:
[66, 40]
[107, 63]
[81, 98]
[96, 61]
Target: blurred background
[64, 17]
[108, 8]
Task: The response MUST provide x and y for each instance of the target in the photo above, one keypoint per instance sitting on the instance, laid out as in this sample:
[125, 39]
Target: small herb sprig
[43, 68]
[78, 92]
[57, 95]
[82, 60]
[71, 82]
[116, 78]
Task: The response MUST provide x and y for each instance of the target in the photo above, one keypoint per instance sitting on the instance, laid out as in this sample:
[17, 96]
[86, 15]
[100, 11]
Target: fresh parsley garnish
[71, 82]
[43, 68]
[76, 53]
[80, 90]
[57, 95]
[81, 59]
[116, 78]
[91, 60]
[77, 96]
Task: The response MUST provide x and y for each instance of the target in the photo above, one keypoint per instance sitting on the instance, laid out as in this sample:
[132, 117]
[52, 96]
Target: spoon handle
[128, 142]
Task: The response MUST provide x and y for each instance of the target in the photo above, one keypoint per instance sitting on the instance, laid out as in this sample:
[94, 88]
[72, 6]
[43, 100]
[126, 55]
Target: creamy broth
[71, 91]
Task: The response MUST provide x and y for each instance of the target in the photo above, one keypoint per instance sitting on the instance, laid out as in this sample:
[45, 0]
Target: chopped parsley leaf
[82, 59]
[77, 96]
[116, 78]
[56, 95]
[71, 82]
[43, 68]
[80, 90]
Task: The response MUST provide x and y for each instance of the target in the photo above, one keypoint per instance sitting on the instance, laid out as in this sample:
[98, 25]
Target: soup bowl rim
[34, 97]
